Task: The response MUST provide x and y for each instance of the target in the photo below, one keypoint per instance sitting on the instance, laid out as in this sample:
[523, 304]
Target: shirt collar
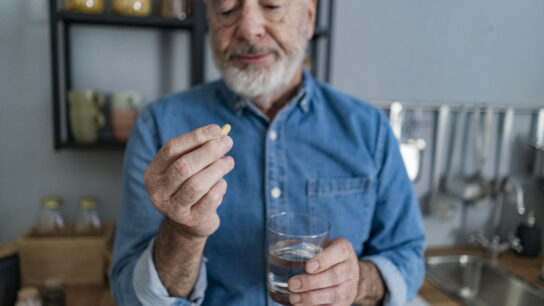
[303, 98]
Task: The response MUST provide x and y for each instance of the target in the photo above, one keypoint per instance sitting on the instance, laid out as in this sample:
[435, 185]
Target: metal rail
[455, 107]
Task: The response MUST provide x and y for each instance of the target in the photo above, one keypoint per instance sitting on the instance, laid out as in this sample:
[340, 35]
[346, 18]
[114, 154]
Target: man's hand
[336, 277]
[185, 180]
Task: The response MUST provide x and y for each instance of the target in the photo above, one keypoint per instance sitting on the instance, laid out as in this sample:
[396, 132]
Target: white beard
[254, 82]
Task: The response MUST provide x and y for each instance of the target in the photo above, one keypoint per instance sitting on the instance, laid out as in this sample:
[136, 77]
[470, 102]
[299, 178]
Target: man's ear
[311, 10]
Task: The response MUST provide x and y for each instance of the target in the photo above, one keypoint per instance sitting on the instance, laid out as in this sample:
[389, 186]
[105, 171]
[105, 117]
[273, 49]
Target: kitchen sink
[475, 281]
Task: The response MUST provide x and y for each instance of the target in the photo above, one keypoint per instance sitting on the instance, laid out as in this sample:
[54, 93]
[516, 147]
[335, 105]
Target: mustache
[249, 49]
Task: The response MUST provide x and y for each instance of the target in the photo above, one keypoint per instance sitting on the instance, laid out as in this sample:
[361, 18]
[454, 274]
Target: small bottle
[28, 296]
[50, 221]
[54, 293]
[88, 220]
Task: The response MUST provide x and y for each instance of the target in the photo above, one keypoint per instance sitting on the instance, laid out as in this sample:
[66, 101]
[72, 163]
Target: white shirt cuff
[396, 286]
[150, 290]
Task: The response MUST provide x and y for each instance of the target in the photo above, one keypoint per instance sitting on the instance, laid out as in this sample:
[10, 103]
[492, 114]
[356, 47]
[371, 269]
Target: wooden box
[75, 260]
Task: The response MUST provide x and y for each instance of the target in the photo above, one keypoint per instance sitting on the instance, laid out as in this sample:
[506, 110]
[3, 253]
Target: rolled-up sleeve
[396, 287]
[397, 241]
[150, 290]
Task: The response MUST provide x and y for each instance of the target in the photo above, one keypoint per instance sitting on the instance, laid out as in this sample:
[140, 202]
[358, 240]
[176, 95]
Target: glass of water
[293, 238]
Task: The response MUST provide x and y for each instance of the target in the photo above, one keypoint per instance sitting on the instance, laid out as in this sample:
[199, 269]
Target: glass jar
[54, 293]
[28, 296]
[132, 7]
[179, 9]
[85, 6]
[88, 220]
[50, 221]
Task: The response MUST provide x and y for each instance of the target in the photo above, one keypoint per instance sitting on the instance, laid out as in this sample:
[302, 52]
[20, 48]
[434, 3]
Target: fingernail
[213, 130]
[294, 284]
[225, 140]
[294, 298]
[313, 266]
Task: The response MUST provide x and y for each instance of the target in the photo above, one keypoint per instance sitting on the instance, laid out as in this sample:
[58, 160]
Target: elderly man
[299, 145]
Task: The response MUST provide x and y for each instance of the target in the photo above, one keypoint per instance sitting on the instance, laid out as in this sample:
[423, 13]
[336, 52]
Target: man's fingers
[202, 217]
[180, 145]
[199, 184]
[193, 162]
[338, 250]
[333, 276]
[331, 295]
[208, 204]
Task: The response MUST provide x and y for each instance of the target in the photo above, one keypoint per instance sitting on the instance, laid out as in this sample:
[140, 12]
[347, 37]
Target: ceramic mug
[124, 107]
[86, 118]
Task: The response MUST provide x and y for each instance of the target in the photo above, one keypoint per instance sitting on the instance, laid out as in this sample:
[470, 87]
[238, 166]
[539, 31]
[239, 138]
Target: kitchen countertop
[88, 296]
[528, 269]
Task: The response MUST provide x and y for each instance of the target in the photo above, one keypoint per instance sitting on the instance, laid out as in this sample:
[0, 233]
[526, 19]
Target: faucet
[508, 188]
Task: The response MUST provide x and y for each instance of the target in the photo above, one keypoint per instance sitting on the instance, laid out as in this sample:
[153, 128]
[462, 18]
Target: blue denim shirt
[325, 152]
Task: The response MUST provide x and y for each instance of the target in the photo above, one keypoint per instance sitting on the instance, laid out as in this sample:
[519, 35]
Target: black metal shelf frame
[61, 21]
[116, 20]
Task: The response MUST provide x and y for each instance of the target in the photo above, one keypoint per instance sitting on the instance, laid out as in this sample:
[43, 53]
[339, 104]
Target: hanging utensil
[538, 147]
[395, 119]
[475, 189]
[412, 149]
[441, 127]
[503, 166]
[450, 179]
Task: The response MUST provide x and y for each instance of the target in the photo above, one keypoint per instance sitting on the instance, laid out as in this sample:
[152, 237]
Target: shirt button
[276, 192]
[273, 135]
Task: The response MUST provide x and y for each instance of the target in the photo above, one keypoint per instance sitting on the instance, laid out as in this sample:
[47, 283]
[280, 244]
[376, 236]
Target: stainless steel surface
[411, 149]
[475, 188]
[454, 183]
[395, 119]
[540, 128]
[442, 124]
[454, 107]
[475, 281]
[507, 188]
[452, 180]
[538, 146]
[503, 167]
[412, 155]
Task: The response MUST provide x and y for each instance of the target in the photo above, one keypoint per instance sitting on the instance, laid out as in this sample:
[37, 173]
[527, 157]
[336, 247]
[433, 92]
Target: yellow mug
[85, 6]
[132, 7]
[86, 118]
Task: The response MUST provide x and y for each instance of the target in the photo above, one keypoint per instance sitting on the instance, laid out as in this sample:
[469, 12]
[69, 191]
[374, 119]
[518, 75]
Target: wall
[433, 51]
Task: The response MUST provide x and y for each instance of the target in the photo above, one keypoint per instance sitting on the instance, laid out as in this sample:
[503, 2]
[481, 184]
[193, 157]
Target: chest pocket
[345, 203]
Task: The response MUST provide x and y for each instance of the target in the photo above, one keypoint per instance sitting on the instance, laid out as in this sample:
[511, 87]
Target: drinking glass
[293, 238]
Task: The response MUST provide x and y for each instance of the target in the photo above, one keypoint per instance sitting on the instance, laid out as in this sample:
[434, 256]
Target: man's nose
[251, 26]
